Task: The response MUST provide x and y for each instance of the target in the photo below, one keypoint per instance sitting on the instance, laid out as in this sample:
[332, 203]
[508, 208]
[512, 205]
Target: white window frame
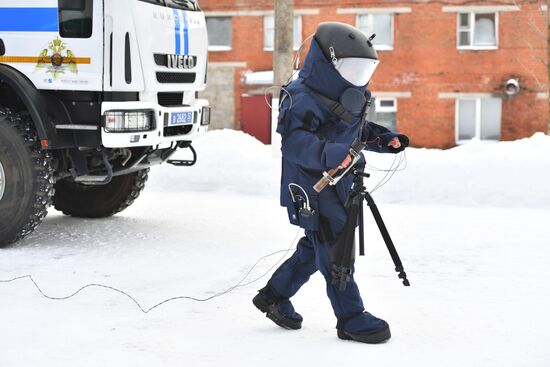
[221, 47]
[471, 16]
[295, 47]
[477, 122]
[370, 18]
[379, 108]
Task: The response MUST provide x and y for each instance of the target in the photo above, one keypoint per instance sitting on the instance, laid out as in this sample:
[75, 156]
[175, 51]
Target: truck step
[185, 162]
[182, 162]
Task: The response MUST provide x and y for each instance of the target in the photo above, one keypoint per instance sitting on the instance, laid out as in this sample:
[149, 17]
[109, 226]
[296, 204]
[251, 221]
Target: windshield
[176, 4]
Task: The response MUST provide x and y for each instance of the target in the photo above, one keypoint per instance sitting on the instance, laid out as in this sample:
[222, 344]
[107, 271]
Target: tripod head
[360, 174]
[358, 188]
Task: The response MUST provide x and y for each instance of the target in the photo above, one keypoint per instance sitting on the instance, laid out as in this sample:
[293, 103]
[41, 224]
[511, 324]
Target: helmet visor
[357, 71]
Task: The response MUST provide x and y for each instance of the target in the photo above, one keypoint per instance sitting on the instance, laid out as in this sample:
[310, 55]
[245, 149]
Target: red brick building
[444, 69]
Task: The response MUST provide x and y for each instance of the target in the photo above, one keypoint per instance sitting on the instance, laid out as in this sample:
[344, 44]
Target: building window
[477, 31]
[219, 33]
[75, 18]
[478, 118]
[269, 32]
[383, 111]
[381, 25]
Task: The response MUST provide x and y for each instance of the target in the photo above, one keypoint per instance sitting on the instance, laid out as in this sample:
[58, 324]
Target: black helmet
[349, 50]
[345, 40]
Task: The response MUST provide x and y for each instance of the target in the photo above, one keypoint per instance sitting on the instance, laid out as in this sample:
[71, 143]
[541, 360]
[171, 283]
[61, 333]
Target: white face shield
[357, 71]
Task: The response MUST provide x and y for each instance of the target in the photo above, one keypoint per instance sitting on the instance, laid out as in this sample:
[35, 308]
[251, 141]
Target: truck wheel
[91, 201]
[26, 177]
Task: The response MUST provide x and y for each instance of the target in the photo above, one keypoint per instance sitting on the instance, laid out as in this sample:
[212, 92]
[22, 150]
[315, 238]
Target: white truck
[93, 93]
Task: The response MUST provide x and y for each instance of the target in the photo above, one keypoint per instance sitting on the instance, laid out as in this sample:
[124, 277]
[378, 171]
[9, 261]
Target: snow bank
[508, 174]
[227, 160]
[504, 174]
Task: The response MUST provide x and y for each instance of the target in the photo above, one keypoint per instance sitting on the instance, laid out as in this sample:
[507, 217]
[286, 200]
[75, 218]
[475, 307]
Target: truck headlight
[128, 121]
[205, 119]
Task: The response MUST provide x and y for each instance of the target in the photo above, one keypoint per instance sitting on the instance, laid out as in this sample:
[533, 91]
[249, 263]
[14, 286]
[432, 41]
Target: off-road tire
[99, 201]
[29, 177]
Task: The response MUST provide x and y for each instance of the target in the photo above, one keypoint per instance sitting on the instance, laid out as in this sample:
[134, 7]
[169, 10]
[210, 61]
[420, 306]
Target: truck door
[57, 44]
[81, 32]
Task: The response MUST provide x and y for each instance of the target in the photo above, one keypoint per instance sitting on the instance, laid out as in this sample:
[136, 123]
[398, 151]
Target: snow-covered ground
[470, 224]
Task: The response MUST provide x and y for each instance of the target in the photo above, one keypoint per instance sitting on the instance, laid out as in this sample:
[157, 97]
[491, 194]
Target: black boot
[277, 309]
[364, 328]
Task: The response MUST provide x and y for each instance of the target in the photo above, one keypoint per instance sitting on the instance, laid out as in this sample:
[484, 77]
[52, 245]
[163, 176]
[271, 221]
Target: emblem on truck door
[57, 58]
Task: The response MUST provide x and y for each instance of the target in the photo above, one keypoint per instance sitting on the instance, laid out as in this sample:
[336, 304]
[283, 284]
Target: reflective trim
[46, 59]
[2, 181]
[177, 31]
[183, 17]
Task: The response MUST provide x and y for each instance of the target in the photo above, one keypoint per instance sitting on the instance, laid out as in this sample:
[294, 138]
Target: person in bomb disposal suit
[321, 114]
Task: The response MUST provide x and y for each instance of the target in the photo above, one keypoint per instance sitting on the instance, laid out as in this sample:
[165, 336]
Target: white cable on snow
[239, 284]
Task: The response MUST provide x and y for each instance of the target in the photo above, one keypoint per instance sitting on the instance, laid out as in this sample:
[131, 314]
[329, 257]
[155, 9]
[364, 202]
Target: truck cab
[104, 89]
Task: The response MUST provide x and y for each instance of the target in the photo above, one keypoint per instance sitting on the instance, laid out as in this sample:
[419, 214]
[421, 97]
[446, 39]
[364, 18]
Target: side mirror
[78, 5]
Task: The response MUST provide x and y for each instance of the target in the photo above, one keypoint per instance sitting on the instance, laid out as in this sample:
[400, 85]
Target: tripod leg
[387, 239]
[361, 232]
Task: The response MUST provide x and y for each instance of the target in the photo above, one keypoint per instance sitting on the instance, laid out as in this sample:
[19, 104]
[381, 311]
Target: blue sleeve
[378, 137]
[306, 149]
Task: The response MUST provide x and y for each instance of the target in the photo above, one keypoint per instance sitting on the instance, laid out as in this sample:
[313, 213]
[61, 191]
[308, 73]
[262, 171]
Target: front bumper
[160, 132]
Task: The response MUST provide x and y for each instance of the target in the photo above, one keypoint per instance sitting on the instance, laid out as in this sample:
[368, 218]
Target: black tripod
[343, 250]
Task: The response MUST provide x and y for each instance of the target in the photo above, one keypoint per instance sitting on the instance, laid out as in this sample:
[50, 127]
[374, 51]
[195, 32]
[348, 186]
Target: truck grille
[180, 78]
[168, 99]
[160, 59]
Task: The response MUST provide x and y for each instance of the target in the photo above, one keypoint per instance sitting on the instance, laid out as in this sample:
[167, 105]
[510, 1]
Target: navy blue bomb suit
[315, 139]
